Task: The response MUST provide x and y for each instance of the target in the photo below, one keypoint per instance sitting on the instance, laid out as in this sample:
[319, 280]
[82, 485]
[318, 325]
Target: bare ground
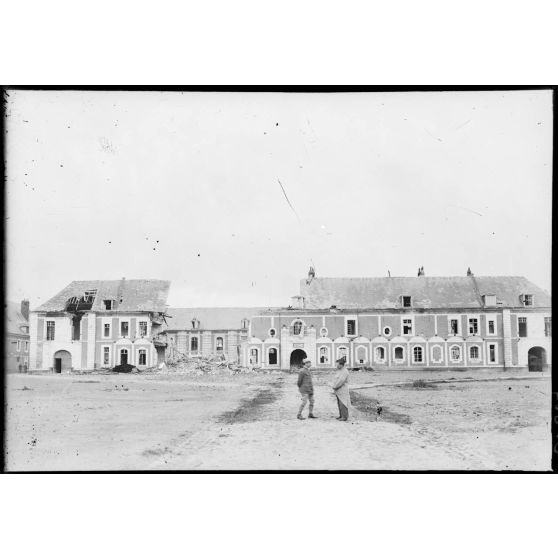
[113, 422]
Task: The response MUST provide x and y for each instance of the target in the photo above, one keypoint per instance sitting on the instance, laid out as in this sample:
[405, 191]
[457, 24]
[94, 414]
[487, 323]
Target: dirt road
[119, 422]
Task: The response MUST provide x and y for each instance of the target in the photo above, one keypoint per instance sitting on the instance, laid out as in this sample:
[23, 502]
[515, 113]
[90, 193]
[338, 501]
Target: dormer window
[527, 299]
[406, 301]
[195, 323]
[350, 327]
[108, 304]
[244, 323]
[489, 300]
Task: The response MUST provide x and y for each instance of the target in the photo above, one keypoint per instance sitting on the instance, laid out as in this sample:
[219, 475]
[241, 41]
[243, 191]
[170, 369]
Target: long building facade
[407, 323]
[381, 323]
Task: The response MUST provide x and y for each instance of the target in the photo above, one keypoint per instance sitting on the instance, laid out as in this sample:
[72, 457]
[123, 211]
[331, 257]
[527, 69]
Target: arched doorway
[297, 357]
[123, 356]
[536, 358]
[62, 362]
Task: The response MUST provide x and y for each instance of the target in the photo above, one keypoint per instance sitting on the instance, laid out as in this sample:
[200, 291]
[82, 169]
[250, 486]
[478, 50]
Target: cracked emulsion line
[288, 201]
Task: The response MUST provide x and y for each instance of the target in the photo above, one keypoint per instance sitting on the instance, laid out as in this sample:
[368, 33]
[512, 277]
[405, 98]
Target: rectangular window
[406, 301]
[26, 346]
[108, 304]
[50, 331]
[473, 326]
[491, 353]
[106, 330]
[491, 327]
[528, 300]
[351, 327]
[142, 357]
[124, 329]
[18, 345]
[548, 327]
[106, 356]
[143, 329]
[194, 344]
[522, 327]
[454, 327]
[407, 326]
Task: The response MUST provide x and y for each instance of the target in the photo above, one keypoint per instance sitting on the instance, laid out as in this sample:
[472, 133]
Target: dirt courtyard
[156, 422]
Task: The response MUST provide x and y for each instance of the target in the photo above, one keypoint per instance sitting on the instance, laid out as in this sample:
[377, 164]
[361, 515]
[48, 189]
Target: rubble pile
[204, 365]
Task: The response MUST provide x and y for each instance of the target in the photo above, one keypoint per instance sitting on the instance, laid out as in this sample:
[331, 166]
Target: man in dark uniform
[306, 389]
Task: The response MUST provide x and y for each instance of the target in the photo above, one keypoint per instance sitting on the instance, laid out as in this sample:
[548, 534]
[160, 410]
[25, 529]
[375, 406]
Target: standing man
[341, 389]
[306, 389]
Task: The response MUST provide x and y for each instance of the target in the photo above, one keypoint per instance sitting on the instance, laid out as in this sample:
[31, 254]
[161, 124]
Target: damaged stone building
[100, 324]
[380, 322]
[222, 332]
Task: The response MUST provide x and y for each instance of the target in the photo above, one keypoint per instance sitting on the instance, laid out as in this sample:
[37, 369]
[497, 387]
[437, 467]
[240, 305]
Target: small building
[192, 332]
[17, 336]
[100, 324]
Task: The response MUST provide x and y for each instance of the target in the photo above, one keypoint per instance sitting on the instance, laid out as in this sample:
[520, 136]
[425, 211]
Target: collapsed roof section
[125, 295]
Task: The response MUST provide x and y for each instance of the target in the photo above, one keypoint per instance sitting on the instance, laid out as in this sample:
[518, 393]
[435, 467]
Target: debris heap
[204, 365]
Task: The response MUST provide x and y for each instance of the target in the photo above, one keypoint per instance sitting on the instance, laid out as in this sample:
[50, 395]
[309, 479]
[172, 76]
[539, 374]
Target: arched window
[219, 344]
[474, 352]
[455, 353]
[297, 327]
[417, 354]
[342, 352]
[142, 361]
[398, 353]
[254, 356]
[324, 355]
[272, 356]
[380, 354]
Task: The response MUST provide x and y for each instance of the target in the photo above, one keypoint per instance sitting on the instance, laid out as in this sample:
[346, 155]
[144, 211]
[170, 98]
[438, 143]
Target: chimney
[311, 275]
[25, 309]
[420, 272]
[469, 272]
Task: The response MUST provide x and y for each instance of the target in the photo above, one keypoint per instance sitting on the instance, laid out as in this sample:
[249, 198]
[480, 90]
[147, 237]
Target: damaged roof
[425, 292]
[148, 295]
[210, 318]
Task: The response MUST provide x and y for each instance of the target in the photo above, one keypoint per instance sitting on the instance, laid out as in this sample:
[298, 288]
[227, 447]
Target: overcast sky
[187, 187]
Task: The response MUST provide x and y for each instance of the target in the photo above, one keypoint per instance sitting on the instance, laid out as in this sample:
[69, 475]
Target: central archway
[62, 362]
[536, 359]
[297, 357]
